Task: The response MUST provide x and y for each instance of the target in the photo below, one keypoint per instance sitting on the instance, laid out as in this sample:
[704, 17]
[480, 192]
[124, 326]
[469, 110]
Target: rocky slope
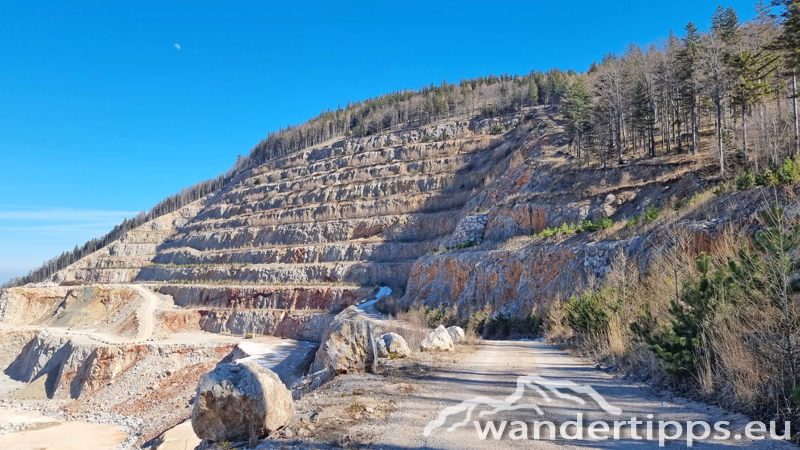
[444, 213]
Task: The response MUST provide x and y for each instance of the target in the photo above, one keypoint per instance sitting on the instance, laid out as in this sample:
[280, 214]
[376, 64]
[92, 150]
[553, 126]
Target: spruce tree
[576, 109]
[687, 66]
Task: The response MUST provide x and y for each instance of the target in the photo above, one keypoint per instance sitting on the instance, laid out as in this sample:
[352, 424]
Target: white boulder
[394, 345]
[438, 340]
[456, 334]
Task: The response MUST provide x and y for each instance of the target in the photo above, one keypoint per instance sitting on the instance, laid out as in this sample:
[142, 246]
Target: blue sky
[101, 115]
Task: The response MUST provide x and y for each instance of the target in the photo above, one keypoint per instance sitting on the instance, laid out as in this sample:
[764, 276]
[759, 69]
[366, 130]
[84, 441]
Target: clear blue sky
[101, 115]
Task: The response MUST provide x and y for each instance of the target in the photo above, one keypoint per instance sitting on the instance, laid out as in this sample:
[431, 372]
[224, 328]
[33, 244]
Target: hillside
[643, 215]
[451, 216]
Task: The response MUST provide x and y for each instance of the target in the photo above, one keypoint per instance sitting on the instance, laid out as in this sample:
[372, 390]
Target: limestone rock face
[348, 345]
[394, 345]
[380, 345]
[456, 334]
[438, 340]
[469, 230]
[235, 402]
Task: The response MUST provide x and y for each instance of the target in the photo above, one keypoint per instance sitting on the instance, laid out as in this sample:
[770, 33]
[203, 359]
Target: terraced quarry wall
[444, 214]
[355, 213]
[317, 230]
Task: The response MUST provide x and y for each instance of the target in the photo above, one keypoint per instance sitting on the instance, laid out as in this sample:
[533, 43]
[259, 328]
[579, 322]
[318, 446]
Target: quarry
[313, 252]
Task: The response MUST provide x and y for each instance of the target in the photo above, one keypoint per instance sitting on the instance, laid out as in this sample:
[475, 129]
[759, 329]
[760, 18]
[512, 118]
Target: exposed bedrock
[27, 305]
[361, 273]
[265, 297]
[73, 369]
[302, 326]
[377, 252]
[97, 275]
[356, 208]
[512, 281]
[109, 308]
[246, 232]
[120, 261]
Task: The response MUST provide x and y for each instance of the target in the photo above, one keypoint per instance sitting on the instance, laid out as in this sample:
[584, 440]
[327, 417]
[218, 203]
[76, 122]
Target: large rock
[348, 345]
[438, 340]
[456, 334]
[237, 402]
[394, 345]
[380, 346]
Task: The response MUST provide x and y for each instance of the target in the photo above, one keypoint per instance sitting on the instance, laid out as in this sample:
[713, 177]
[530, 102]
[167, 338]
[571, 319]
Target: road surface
[493, 372]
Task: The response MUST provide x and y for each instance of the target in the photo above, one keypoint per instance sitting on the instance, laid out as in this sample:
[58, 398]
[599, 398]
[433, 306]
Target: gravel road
[493, 371]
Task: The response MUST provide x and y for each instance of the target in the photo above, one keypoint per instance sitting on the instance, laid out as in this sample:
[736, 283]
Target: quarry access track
[494, 373]
[145, 316]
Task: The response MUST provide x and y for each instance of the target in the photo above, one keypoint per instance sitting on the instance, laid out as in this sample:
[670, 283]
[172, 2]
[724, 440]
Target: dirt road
[145, 315]
[492, 373]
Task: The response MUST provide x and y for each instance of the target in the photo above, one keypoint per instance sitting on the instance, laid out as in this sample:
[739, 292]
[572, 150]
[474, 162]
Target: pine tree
[679, 343]
[776, 241]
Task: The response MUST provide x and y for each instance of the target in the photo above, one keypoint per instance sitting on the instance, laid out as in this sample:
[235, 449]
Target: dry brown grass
[744, 364]
[413, 326]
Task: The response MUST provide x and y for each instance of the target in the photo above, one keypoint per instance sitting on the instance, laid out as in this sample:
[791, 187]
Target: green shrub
[594, 225]
[460, 245]
[592, 311]
[444, 137]
[501, 326]
[404, 142]
[787, 172]
[257, 181]
[566, 228]
[498, 128]
[720, 190]
[746, 180]
[571, 228]
[547, 232]
[604, 223]
[633, 221]
[477, 321]
[686, 201]
[766, 178]
[426, 138]
[440, 316]
[651, 213]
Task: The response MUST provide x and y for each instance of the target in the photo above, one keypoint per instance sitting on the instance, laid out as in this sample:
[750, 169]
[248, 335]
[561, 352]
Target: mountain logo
[538, 384]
